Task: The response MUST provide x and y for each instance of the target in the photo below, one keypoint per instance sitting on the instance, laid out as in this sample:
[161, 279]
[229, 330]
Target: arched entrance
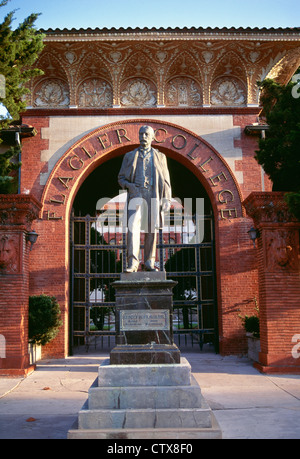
[198, 170]
[185, 251]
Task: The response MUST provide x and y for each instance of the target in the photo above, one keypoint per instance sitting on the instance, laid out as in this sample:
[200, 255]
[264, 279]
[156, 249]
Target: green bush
[251, 325]
[44, 319]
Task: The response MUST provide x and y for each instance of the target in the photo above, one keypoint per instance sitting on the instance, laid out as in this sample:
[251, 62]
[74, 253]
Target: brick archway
[114, 140]
[117, 138]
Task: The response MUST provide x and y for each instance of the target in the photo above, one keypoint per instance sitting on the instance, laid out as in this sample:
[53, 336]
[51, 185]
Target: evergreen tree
[279, 152]
[19, 49]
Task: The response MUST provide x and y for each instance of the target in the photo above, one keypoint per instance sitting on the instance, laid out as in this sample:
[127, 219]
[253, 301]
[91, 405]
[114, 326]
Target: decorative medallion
[207, 56]
[138, 93]
[227, 91]
[161, 56]
[52, 93]
[71, 57]
[115, 56]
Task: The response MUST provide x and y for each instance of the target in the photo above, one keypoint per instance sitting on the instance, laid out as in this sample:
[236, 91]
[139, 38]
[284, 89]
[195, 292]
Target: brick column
[279, 282]
[16, 215]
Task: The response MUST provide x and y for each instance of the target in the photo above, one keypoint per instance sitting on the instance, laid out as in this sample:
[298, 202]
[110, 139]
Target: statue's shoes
[149, 267]
[131, 269]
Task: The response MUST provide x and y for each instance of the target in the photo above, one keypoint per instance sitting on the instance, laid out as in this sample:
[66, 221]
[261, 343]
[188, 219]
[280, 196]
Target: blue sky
[157, 13]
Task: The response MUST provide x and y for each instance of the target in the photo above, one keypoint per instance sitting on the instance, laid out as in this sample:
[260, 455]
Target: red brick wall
[31, 157]
[14, 322]
[237, 285]
[49, 275]
[280, 315]
[252, 173]
[16, 215]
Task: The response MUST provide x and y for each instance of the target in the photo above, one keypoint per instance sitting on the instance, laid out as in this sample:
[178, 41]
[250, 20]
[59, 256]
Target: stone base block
[153, 397]
[144, 354]
[144, 375]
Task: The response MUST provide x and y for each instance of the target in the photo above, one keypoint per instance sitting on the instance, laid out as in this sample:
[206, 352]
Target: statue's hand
[133, 190]
[166, 205]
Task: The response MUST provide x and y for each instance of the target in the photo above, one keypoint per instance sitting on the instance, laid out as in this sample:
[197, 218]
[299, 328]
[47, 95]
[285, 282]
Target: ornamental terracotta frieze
[151, 72]
[116, 138]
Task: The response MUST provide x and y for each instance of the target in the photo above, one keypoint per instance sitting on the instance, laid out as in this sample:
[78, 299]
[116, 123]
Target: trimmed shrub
[44, 319]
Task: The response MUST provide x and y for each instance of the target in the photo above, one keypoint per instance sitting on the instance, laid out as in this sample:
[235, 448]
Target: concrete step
[207, 433]
[145, 419]
[138, 397]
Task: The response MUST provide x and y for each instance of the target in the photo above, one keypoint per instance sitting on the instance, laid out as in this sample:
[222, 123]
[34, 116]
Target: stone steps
[145, 401]
[144, 418]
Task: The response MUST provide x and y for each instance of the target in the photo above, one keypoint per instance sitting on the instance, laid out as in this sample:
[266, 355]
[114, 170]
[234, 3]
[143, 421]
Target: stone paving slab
[246, 403]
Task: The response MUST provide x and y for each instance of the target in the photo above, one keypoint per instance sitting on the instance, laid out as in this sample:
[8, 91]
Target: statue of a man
[144, 173]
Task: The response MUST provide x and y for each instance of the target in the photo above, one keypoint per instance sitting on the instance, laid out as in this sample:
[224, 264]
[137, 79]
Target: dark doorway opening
[97, 254]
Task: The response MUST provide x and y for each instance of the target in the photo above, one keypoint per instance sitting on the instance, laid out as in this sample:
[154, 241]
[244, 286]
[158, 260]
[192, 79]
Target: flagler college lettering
[104, 141]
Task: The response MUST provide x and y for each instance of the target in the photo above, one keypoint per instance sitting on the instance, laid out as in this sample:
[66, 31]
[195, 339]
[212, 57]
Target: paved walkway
[246, 403]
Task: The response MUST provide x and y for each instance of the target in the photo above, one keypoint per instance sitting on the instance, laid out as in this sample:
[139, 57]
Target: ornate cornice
[185, 33]
[18, 210]
[142, 111]
[268, 207]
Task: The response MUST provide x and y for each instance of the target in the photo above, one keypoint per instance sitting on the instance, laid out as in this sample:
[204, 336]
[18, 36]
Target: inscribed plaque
[142, 319]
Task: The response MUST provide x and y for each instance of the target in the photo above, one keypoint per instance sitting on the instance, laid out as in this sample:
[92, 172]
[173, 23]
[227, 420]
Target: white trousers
[139, 218]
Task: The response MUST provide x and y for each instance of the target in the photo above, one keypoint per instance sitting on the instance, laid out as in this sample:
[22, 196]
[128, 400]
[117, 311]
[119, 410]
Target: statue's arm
[124, 176]
[167, 192]
[124, 173]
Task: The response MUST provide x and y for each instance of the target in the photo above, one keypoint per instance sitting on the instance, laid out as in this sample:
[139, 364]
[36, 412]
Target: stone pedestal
[145, 390]
[158, 401]
[144, 320]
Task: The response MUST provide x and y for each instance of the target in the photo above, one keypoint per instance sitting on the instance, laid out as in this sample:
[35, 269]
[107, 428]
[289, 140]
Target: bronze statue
[144, 173]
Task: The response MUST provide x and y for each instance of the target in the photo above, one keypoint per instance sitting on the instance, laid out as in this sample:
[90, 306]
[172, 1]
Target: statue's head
[146, 136]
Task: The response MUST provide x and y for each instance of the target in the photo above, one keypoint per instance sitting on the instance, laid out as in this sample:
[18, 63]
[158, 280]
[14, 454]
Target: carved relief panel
[95, 92]
[229, 82]
[184, 64]
[281, 249]
[183, 92]
[9, 254]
